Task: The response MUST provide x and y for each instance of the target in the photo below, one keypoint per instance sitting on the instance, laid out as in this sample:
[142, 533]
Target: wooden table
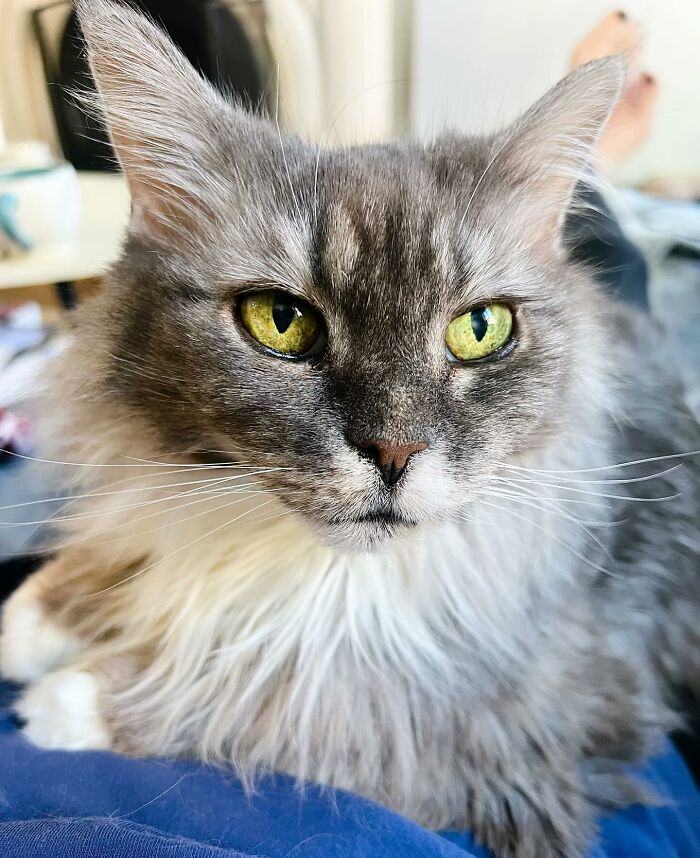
[102, 222]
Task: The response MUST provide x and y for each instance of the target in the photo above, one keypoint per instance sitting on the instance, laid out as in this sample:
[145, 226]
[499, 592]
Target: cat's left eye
[281, 322]
[480, 333]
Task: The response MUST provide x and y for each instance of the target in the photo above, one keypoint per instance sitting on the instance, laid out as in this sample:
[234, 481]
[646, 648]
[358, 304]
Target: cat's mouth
[368, 531]
[379, 516]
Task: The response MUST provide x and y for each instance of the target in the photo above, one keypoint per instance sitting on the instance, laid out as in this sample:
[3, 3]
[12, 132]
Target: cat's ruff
[312, 600]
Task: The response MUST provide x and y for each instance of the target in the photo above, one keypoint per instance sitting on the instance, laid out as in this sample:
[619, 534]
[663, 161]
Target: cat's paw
[62, 710]
[31, 643]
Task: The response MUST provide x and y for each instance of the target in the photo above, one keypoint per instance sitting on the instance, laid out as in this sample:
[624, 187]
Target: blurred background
[336, 72]
[356, 70]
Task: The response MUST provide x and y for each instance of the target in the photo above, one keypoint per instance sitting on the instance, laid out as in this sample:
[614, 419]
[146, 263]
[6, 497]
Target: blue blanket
[100, 805]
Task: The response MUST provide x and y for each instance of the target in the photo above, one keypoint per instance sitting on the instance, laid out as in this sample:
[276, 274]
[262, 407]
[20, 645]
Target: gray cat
[377, 488]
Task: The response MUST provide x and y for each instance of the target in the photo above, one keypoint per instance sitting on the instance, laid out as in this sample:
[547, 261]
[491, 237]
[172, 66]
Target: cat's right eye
[284, 324]
[480, 333]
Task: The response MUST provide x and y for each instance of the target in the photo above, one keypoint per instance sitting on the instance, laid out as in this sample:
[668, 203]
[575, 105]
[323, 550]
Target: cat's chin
[363, 535]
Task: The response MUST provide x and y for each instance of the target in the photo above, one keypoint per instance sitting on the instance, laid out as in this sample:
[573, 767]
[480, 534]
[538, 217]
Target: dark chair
[224, 39]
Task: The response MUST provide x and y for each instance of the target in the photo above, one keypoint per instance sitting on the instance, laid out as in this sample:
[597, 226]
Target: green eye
[479, 333]
[280, 322]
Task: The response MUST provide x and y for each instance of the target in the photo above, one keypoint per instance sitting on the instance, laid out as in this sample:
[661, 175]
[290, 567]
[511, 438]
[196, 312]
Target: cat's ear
[160, 113]
[550, 150]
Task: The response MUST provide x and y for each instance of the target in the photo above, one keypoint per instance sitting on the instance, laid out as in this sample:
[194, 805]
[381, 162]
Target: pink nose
[391, 459]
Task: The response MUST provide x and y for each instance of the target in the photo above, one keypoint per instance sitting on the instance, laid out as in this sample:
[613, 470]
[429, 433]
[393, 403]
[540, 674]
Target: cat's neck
[428, 592]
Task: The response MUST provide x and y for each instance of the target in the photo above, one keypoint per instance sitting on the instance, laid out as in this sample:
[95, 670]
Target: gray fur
[528, 732]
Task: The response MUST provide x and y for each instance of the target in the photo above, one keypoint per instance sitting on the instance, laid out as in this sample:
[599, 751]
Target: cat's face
[369, 255]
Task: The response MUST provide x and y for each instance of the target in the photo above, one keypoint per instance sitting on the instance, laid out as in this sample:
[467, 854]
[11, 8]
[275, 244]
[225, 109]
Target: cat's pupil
[480, 323]
[283, 314]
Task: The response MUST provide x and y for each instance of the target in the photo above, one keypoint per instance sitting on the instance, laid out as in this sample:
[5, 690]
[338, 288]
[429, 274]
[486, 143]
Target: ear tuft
[159, 112]
[551, 148]
[579, 105]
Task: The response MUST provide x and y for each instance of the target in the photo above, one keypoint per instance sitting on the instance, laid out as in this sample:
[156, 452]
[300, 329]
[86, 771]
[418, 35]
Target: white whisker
[180, 549]
[533, 504]
[643, 479]
[602, 467]
[176, 508]
[131, 490]
[548, 533]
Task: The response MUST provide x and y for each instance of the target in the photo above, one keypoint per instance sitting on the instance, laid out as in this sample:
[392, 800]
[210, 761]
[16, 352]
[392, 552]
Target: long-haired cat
[376, 487]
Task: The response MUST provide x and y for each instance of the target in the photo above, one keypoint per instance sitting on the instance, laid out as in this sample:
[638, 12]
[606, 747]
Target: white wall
[478, 63]
[360, 52]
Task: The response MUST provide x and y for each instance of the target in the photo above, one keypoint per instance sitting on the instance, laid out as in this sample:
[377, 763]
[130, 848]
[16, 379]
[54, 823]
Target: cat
[377, 487]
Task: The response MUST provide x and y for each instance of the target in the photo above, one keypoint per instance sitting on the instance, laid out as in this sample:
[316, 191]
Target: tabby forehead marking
[343, 246]
[442, 249]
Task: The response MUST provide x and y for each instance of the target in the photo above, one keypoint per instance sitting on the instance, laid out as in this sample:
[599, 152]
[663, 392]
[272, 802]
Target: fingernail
[621, 15]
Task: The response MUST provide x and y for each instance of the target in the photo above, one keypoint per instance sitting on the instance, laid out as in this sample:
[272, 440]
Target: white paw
[31, 644]
[62, 711]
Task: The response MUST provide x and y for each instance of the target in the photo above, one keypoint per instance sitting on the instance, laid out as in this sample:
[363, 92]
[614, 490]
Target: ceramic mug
[38, 206]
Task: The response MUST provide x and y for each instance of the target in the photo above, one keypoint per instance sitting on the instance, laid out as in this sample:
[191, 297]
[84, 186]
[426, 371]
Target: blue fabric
[56, 804]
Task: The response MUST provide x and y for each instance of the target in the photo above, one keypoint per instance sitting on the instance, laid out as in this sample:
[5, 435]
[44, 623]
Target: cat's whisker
[562, 486]
[249, 488]
[131, 462]
[176, 508]
[135, 462]
[237, 452]
[57, 544]
[628, 498]
[643, 479]
[58, 519]
[133, 489]
[211, 465]
[555, 499]
[196, 485]
[174, 471]
[522, 491]
[167, 556]
[602, 467]
[577, 501]
[548, 533]
[585, 526]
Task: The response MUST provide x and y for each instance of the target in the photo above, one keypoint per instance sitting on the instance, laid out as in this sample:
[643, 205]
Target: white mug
[38, 206]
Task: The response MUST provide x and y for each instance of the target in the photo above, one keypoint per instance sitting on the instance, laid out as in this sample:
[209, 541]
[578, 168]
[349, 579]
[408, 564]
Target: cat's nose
[390, 458]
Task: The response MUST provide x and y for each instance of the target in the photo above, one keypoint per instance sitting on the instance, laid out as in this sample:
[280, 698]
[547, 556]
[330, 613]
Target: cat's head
[380, 324]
